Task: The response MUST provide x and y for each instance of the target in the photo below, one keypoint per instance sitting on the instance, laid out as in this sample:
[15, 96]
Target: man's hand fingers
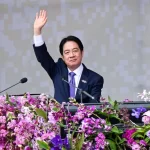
[45, 20]
[40, 15]
[37, 16]
[44, 14]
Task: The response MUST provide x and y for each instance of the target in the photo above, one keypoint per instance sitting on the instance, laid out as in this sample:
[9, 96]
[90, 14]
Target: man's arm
[96, 89]
[39, 46]
[45, 59]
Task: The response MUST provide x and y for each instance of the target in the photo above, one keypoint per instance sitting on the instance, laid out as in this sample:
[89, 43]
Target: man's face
[72, 55]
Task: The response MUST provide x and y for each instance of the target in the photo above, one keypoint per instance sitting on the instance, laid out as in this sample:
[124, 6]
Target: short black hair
[70, 38]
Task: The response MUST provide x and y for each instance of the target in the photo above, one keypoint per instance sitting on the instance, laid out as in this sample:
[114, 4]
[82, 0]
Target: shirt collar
[77, 71]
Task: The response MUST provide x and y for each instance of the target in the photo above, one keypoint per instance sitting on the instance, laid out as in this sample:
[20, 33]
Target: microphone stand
[23, 80]
[81, 91]
[9, 87]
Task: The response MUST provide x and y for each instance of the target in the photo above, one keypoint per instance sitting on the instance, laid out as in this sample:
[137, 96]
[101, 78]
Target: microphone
[23, 80]
[81, 91]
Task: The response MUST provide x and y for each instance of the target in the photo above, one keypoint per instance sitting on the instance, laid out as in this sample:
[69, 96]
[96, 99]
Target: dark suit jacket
[58, 70]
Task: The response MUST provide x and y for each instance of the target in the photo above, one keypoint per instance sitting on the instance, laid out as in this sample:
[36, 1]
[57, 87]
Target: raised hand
[40, 21]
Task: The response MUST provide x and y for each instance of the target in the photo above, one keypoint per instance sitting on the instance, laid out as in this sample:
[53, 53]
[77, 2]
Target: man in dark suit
[69, 67]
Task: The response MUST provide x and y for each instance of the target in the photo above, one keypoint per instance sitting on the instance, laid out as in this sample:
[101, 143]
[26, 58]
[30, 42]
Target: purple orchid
[55, 148]
[148, 133]
[135, 113]
[138, 111]
[141, 109]
[66, 144]
[27, 148]
[57, 141]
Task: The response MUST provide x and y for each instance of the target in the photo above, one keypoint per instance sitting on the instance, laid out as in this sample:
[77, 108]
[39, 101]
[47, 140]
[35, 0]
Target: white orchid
[145, 95]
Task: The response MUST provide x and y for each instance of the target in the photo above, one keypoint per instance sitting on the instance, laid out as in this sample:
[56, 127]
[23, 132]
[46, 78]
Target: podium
[128, 105]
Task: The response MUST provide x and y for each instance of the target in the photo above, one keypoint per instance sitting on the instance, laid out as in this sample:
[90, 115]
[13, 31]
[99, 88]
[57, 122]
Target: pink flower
[146, 119]
[100, 141]
[147, 113]
[127, 100]
[79, 115]
[27, 148]
[103, 121]
[20, 140]
[51, 118]
[135, 146]
[2, 100]
[128, 135]
[3, 133]
[48, 136]
[2, 119]
[11, 124]
[107, 128]
[22, 100]
[142, 142]
[101, 135]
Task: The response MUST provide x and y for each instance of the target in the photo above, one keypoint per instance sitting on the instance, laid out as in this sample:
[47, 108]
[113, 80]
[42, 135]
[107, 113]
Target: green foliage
[112, 144]
[41, 113]
[116, 130]
[79, 141]
[43, 145]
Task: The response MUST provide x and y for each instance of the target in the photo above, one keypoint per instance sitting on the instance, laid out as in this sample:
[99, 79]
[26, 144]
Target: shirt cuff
[38, 40]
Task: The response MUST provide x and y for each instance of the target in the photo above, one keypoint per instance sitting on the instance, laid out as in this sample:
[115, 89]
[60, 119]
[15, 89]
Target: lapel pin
[84, 81]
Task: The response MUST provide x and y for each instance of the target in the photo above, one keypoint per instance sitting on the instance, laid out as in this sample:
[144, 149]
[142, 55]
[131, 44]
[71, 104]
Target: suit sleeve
[96, 89]
[45, 59]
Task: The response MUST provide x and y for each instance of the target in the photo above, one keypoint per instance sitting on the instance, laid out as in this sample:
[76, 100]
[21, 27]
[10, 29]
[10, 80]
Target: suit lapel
[83, 82]
[66, 86]
[65, 76]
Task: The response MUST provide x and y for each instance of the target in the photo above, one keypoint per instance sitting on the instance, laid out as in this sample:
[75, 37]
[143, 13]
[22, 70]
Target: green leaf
[7, 97]
[138, 132]
[122, 141]
[139, 136]
[147, 128]
[98, 112]
[79, 141]
[116, 105]
[106, 115]
[111, 144]
[41, 113]
[56, 109]
[108, 122]
[147, 139]
[10, 116]
[25, 95]
[61, 124]
[111, 101]
[114, 116]
[116, 130]
[43, 145]
[8, 100]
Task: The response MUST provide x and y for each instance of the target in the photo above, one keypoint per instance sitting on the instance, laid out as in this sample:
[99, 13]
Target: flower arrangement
[28, 123]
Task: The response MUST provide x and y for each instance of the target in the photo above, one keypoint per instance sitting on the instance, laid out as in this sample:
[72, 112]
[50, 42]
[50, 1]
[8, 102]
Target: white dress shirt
[38, 41]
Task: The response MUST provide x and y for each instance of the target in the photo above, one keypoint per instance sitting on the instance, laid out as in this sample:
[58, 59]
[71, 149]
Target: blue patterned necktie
[72, 84]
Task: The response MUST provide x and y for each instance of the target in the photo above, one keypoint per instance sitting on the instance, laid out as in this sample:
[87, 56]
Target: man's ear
[62, 57]
[82, 53]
